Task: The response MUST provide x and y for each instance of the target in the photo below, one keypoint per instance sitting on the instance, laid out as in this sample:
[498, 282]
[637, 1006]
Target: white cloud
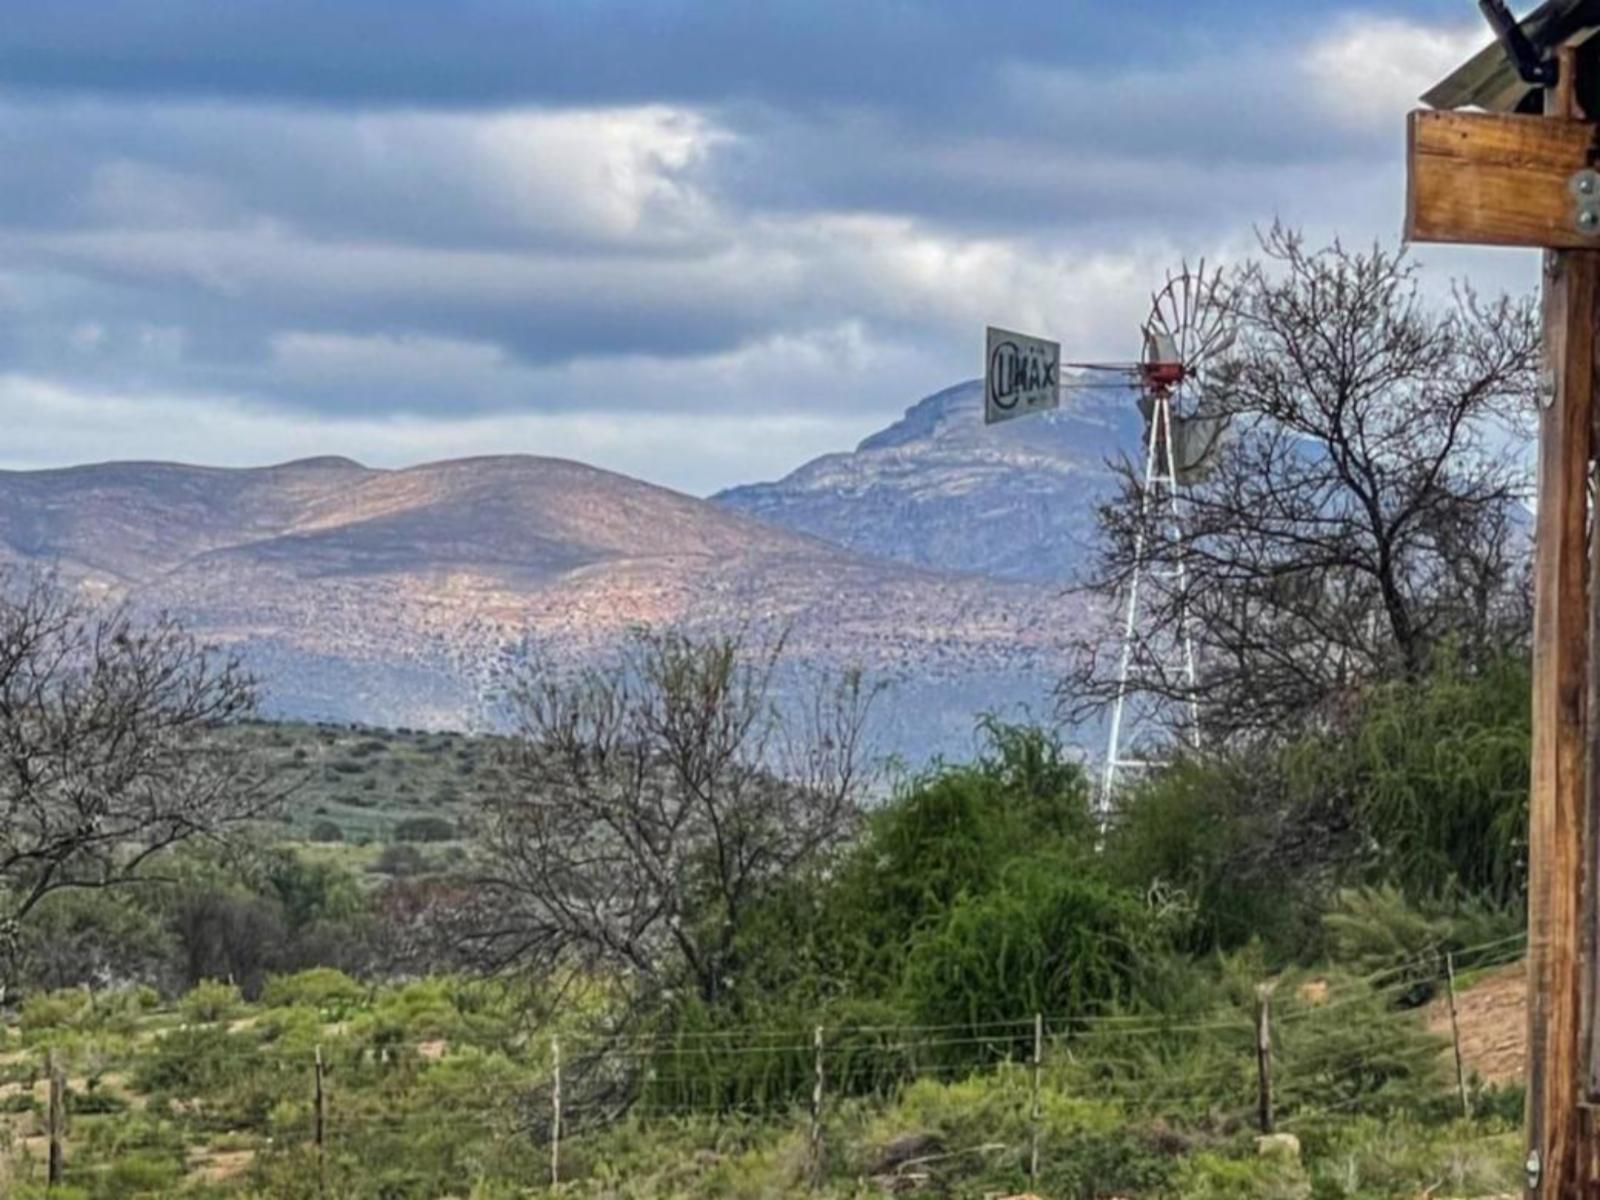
[619, 174]
[695, 293]
[1370, 71]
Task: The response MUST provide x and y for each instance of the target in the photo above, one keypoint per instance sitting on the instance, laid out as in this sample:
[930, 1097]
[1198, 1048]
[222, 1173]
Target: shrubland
[970, 898]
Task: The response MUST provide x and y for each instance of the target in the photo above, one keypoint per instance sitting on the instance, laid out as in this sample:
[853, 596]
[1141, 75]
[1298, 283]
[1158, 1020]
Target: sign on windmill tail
[1024, 375]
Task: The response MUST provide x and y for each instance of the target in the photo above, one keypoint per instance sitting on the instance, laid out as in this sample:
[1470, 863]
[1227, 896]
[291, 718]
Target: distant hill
[941, 490]
[391, 597]
[376, 785]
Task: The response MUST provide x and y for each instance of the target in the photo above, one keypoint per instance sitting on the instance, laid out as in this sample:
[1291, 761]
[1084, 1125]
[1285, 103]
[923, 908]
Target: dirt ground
[1492, 1014]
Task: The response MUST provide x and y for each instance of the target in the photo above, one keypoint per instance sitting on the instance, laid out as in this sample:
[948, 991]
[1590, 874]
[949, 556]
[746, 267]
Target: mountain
[395, 596]
[941, 490]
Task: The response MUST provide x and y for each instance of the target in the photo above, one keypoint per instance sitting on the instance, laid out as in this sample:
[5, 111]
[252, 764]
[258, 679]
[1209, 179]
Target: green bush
[425, 829]
[401, 861]
[54, 1010]
[950, 834]
[1043, 941]
[138, 1177]
[1435, 773]
[96, 1102]
[196, 1060]
[1201, 836]
[329, 991]
[1211, 1176]
[211, 1000]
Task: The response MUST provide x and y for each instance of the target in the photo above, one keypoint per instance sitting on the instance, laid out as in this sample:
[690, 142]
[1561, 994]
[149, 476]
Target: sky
[696, 241]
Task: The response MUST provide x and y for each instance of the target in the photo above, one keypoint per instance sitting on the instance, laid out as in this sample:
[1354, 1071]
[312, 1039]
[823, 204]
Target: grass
[441, 1086]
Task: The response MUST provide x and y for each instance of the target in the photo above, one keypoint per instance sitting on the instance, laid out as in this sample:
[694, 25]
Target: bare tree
[660, 800]
[108, 753]
[1366, 509]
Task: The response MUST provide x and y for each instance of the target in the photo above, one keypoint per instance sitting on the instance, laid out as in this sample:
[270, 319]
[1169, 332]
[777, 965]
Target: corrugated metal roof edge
[1487, 80]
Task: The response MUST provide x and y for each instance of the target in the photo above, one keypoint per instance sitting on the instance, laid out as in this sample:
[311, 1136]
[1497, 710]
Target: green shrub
[54, 1010]
[401, 861]
[1043, 941]
[950, 834]
[1436, 775]
[1199, 834]
[96, 1101]
[329, 991]
[425, 829]
[138, 1177]
[211, 1000]
[1211, 1176]
[326, 831]
[195, 1060]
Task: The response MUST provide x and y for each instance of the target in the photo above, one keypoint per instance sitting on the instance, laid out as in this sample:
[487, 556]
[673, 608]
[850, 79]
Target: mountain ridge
[397, 596]
[940, 489]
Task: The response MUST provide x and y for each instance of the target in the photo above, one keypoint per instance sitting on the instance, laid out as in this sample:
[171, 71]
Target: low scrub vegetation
[981, 978]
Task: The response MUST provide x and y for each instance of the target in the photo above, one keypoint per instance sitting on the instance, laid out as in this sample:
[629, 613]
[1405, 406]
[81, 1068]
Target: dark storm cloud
[895, 53]
[365, 209]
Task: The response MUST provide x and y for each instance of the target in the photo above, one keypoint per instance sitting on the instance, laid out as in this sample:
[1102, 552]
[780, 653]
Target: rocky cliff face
[939, 489]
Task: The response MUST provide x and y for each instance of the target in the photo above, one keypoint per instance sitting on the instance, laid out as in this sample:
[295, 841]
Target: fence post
[1038, 1071]
[56, 1117]
[1455, 1032]
[1264, 1056]
[555, 1111]
[816, 1110]
[321, 1102]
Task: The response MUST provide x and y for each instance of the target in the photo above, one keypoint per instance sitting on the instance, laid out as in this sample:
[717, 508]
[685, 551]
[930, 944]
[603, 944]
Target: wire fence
[1274, 1062]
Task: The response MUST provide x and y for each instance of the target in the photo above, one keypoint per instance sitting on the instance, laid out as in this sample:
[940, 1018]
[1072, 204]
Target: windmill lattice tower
[1188, 331]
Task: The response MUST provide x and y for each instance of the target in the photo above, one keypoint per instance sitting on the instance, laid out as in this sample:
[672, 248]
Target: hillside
[939, 489]
[392, 597]
[365, 783]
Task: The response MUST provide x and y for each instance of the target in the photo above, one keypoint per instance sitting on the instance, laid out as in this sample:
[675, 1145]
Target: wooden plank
[1496, 179]
[1557, 801]
[1559, 1131]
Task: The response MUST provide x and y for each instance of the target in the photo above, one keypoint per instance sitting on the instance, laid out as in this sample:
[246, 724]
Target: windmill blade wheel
[1189, 333]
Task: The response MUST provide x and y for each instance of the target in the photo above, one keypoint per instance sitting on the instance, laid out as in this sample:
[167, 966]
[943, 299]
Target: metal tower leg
[1158, 474]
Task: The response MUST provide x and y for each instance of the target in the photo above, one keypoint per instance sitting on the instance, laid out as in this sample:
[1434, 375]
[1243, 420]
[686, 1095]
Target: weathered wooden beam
[1497, 179]
[1560, 1132]
[1557, 800]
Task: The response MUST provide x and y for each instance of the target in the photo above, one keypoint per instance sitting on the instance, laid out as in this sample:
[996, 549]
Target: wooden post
[1521, 180]
[1558, 1150]
[56, 1118]
[318, 1097]
[1264, 1057]
[555, 1111]
[1038, 1073]
[1455, 1032]
[319, 1120]
[816, 1109]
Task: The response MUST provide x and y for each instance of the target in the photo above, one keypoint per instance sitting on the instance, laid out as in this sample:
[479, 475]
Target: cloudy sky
[699, 241]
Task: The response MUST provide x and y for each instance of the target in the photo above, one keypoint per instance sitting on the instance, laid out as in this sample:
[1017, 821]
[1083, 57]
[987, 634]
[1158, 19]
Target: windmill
[1186, 338]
